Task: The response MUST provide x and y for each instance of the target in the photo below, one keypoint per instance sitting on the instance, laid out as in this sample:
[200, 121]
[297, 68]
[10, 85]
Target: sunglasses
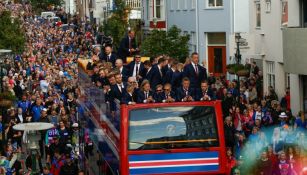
[159, 90]
[166, 89]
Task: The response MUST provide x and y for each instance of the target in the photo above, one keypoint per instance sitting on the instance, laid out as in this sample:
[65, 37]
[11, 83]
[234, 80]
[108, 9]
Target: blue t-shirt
[36, 110]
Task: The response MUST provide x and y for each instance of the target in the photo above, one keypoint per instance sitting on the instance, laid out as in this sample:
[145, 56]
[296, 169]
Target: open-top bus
[156, 138]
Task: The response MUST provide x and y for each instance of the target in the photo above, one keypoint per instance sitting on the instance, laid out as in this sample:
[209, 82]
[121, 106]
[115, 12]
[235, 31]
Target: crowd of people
[262, 135]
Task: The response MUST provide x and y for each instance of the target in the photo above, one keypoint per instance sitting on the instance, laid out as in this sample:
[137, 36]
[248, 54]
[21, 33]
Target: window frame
[214, 6]
[193, 4]
[271, 79]
[162, 13]
[258, 3]
[268, 6]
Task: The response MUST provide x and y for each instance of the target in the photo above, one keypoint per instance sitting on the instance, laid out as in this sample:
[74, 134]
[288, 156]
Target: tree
[41, 5]
[11, 33]
[116, 26]
[170, 43]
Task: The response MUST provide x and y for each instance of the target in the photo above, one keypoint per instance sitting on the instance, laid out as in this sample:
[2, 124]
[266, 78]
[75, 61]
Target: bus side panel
[124, 169]
[99, 139]
[220, 125]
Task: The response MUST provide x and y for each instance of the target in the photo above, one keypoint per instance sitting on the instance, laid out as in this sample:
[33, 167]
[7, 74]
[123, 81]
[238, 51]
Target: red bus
[157, 138]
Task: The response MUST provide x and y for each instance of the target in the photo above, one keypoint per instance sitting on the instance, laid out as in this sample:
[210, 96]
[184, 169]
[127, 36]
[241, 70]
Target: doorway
[217, 60]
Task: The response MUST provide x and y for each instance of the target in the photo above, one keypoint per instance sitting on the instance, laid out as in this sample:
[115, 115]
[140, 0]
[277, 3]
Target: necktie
[146, 95]
[160, 73]
[196, 69]
[166, 96]
[131, 97]
[130, 46]
[186, 92]
[137, 69]
[108, 58]
[120, 88]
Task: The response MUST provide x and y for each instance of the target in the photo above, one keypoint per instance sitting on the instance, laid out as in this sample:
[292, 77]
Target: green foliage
[116, 26]
[234, 68]
[43, 5]
[170, 43]
[11, 33]
[7, 96]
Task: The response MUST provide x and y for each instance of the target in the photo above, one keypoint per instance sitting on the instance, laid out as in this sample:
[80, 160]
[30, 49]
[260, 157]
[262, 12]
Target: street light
[238, 59]
[3, 55]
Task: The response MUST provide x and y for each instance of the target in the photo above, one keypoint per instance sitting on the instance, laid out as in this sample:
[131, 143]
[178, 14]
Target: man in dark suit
[129, 97]
[195, 72]
[167, 96]
[119, 88]
[127, 46]
[185, 93]
[157, 75]
[136, 68]
[123, 70]
[109, 56]
[145, 95]
[204, 93]
[170, 72]
[147, 72]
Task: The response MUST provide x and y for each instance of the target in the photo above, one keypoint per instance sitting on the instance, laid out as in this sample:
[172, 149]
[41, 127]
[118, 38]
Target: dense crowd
[262, 136]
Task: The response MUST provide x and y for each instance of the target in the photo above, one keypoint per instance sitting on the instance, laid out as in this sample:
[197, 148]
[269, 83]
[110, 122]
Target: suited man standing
[157, 74]
[109, 56]
[97, 52]
[205, 93]
[135, 68]
[195, 72]
[127, 46]
[122, 70]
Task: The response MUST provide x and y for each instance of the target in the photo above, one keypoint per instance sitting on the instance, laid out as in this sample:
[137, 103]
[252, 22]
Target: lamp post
[238, 59]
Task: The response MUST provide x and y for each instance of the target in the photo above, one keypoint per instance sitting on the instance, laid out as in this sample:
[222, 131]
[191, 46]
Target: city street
[152, 87]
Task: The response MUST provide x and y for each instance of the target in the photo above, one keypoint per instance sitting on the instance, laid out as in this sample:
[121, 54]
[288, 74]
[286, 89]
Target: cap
[283, 115]
[75, 125]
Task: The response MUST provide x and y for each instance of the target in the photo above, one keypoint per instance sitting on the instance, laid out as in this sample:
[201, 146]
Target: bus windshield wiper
[148, 143]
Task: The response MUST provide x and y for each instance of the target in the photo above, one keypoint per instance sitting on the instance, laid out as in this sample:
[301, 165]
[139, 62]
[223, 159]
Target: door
[217, 60]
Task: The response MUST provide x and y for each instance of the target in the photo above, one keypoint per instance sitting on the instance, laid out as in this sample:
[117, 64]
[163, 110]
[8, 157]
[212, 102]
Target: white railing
[133, 4]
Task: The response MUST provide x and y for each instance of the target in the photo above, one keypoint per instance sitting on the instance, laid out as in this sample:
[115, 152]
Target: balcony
[295, 50]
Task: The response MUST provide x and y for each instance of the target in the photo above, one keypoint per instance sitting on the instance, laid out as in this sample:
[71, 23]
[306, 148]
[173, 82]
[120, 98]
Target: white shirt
[20, 118]
[194, 65]
[134, 69]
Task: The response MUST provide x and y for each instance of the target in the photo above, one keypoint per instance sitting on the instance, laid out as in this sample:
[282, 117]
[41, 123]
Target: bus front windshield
[172, 128]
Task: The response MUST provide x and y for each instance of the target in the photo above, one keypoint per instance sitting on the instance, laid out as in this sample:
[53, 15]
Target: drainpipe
[197, 26]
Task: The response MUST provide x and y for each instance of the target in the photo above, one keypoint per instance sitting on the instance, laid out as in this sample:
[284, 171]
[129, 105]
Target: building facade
[154, 14]
[295, 51]
[211, 25]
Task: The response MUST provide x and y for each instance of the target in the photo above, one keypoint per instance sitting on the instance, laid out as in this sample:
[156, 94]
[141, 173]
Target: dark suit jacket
[176, 79]
[180, 93]
[123, 50]
[128, 98]
[200, 94]
[112, 59]
[162, 96]
[147, 74]
[141, 96]
[116, 93]
[155, 77]
[168, 76]
[195, 79]
[125, 74]
[130, 68]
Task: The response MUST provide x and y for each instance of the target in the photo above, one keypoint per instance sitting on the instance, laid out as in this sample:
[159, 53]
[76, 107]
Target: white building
[70, 7]
[268, 18]
[295, 53]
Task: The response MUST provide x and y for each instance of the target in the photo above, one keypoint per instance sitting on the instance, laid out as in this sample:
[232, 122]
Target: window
[193, 42]
[216, 38]
[173, 127]
[178, 4]
[150, 10]
[193, 4]
[287, 80]
[268, 6]
[258, 15]
[284, 13]
[172, 4]
[215, 3]
[185, 4]
[271, 73]
[159, 10]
